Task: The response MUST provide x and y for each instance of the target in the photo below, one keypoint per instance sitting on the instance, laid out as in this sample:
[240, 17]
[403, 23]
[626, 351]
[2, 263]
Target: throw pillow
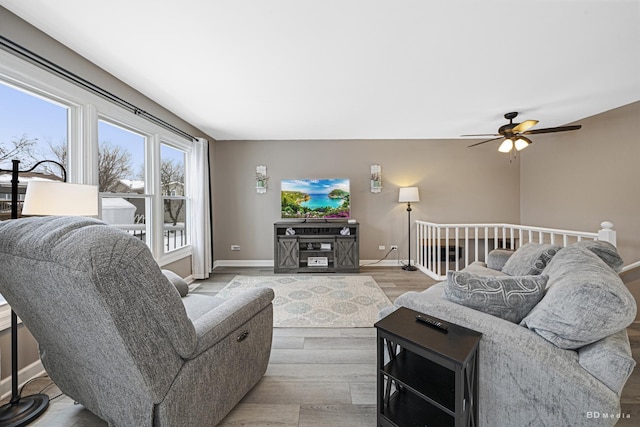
[507, 297]
[530, 259]
[585, 301]
[498, 258]
[605, 250]
[177, 281]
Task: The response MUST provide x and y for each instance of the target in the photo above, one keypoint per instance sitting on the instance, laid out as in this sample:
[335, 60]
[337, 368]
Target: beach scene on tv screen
[315, 198]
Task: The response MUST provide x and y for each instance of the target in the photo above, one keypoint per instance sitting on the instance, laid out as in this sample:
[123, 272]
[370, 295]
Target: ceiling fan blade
[484, 134]
[482, 142]
[524, 126]
[550, 130]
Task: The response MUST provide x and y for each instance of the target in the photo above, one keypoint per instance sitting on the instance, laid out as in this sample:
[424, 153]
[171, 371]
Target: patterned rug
[311, 301]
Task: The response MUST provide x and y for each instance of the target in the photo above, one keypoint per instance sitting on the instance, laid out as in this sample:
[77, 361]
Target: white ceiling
[358, 69]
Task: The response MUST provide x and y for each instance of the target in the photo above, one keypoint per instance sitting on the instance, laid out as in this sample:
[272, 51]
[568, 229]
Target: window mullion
[85, 149]
[153, 178]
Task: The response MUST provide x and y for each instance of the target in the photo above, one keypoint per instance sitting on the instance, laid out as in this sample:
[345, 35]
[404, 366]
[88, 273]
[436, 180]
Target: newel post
[607, 233]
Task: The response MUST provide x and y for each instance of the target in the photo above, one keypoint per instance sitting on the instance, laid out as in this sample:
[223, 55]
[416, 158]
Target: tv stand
[316, 247]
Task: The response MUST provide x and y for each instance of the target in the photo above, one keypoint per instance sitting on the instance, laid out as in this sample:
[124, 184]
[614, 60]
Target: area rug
[311, 301]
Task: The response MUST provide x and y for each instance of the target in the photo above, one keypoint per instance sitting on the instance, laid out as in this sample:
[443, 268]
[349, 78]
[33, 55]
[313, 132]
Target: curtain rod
[38, 60]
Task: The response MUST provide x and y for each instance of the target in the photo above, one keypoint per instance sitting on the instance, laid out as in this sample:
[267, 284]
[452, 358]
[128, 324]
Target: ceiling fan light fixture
[506, 146]
[522, 142]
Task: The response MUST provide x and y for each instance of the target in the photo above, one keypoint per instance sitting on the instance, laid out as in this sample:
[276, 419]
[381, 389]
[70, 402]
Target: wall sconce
[261, 179]
[376, 178]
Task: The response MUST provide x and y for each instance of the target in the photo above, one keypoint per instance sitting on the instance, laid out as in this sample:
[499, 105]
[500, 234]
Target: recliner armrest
[229, 316]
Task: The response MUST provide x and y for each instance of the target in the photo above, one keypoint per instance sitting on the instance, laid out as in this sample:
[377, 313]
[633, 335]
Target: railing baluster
[511, 238]
[446, 249]
[429, 243]
[437, 248]
[476, 238]
[455, 247]
[466, 246]
[486, 243]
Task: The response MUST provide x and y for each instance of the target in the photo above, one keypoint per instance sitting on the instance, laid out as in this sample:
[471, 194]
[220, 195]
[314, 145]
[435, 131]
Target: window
[174, 201]
[121, 171]
[33, 128]
[45, 117]
[101, 143]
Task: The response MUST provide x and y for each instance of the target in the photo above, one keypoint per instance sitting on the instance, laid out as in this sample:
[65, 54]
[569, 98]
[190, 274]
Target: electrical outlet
[381, 248]
[235, 247]
[394, 247]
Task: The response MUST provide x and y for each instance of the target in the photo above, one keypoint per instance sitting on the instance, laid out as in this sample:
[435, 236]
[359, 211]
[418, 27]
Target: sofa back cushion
[585, 300]
[605, 250]
[530, 259]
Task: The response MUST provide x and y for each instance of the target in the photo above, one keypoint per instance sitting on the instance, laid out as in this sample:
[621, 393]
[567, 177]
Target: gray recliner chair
[114, 333]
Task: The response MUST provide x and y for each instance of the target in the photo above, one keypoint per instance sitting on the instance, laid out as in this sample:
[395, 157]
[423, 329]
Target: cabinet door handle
[242, 336]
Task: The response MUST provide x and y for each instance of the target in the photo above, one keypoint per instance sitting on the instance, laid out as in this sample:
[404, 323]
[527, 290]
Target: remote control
[432, 322]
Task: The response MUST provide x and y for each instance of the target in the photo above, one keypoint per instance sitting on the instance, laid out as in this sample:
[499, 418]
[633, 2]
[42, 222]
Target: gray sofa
[554, 349]
[114, 333]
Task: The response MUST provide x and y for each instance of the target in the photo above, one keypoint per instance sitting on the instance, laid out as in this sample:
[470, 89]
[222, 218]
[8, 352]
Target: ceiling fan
[513, 134]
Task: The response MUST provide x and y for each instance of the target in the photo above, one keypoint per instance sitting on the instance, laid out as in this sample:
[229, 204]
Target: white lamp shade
[409, 194]
[506, 146]
[60, 199]
[522, 142]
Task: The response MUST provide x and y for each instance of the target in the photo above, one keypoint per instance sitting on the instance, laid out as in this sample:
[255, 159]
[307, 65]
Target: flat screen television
[315, 198]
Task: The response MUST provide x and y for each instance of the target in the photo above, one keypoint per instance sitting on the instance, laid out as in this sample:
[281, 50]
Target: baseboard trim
[377, 263]
[242, 263]
[269, 263]
[32, 371]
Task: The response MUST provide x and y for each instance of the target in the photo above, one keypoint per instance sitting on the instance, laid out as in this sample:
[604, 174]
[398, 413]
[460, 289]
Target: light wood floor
[316, 377]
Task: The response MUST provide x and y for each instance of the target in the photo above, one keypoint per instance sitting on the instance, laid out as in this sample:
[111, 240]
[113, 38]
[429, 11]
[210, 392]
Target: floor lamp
[409, 195]
[42, 198]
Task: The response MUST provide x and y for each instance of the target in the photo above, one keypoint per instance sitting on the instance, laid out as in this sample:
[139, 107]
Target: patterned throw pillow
[530, 259]
[508, 297]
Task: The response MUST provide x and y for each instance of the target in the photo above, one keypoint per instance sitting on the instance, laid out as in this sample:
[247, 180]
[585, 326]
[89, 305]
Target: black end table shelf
[430, 377]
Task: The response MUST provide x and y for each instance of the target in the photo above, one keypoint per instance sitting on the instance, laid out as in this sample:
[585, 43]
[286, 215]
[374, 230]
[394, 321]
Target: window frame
[85, 109]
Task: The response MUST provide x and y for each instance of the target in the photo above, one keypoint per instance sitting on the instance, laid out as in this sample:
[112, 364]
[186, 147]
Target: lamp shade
[522, 142]
[506, 146]
[60, 199]
[409, 194]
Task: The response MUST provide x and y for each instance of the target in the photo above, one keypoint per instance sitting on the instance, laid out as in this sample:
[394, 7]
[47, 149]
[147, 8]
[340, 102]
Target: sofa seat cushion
[585, 301]
[530, 259]
[508, 297]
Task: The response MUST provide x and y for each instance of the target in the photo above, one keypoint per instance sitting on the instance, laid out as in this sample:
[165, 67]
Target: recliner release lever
[243, 336]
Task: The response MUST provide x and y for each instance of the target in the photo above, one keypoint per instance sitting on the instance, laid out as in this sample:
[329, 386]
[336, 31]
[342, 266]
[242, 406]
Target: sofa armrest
[523, 377]
[610, 360]
[222, 320]
[497, 258]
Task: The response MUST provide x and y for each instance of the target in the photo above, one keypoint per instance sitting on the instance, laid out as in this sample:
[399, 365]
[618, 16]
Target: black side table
[431, 377]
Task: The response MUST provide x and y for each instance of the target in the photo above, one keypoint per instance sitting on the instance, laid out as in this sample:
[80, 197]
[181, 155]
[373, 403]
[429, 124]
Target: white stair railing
[444, 247]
